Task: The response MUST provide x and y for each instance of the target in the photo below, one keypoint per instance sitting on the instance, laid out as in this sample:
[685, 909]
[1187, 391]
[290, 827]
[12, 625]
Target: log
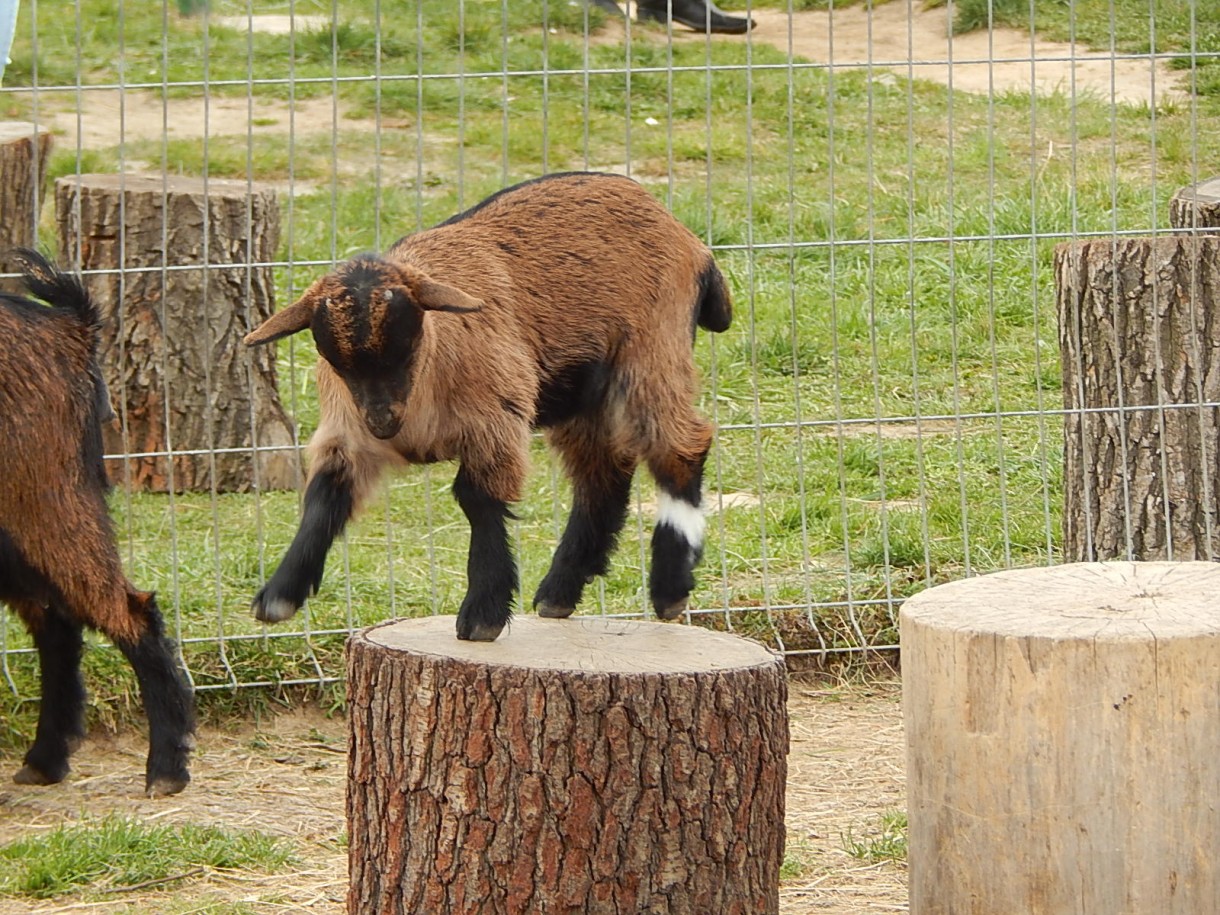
[1196, 208]
[1062, 726]
[573, 766]
[193, 402]
[1139, 333]
[24, 151]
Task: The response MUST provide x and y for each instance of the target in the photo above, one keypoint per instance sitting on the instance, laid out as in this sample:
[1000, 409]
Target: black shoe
[700, 15]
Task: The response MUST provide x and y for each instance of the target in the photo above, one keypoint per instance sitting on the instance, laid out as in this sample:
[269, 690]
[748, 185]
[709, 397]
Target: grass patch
[115, 852]
[887, 841]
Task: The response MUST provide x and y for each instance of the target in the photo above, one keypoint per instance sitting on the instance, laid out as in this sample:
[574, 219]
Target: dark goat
[59, 564]
[568, 303]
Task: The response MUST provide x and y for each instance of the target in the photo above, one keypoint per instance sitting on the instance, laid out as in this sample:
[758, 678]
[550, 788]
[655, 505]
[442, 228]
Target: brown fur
[555, 291]
[42, 425]
[568, 303]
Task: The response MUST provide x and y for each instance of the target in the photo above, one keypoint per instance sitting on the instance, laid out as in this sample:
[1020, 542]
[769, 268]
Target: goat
[59, 562]
[568, 303]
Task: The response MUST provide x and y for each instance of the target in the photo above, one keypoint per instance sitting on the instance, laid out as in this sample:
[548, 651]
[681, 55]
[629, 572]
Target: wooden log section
[192, 401]
[1196, 207]
[1062, 726]
[24, 151]
[579, 766]
[1139, 330]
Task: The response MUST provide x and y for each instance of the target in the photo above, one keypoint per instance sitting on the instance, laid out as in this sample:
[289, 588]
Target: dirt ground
[286, 775]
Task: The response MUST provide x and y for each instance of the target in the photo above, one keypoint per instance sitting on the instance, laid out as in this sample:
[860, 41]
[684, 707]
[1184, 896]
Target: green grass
[106, 855]
[887, 841]
[918, 290]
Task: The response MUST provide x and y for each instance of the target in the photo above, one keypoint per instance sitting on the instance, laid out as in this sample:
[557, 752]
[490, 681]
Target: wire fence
[884, 196]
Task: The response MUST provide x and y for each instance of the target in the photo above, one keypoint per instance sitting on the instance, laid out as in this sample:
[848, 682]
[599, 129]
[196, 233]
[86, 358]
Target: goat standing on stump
[568, 303]
[59, 564]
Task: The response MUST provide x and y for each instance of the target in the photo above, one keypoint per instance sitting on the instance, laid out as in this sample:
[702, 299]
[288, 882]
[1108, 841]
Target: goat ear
[284, 322]
[433, 296]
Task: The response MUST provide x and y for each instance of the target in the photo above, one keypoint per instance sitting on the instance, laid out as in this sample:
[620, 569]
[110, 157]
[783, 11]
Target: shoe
[700, 15]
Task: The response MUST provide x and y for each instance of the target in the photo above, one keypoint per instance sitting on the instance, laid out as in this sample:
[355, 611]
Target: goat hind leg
[168, 701]
[61, 716]
[602, 491]
[677, 539]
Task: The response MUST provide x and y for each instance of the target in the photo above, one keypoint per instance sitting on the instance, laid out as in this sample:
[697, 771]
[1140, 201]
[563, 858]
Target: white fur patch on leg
[688, 520]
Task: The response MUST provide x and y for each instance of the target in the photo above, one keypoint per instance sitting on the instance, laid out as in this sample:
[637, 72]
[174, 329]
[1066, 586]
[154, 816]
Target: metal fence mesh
[884, 200]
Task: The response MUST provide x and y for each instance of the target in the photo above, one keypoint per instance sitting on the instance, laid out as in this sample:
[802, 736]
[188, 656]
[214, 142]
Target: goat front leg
[491, 570]
[338, 482]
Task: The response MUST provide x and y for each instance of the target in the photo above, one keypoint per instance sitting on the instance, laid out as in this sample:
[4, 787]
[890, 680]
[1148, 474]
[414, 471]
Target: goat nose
[383, 425]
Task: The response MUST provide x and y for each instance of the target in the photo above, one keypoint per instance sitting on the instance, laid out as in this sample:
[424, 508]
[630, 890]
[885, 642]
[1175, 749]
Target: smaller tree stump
[1062, 726]
[1139, 333]
[24, 150]
[1196, 207]
[577, 766]
[197, 408]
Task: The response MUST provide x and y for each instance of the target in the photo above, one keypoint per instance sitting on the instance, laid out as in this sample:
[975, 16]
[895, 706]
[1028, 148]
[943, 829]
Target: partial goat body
[568, 303]
[59, 563]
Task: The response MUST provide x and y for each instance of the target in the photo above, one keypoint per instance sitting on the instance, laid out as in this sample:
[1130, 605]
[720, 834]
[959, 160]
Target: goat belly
[571, 391]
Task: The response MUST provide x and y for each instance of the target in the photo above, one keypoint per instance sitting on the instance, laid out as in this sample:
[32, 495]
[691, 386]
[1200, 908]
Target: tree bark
[1196, 207]
[24, 150]
[1140, 345]
[1061, 727]
[181, 287]
[579, 766]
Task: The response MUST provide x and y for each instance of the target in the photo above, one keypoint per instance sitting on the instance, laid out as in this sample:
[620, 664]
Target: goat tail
[62, 290]
[714, 308]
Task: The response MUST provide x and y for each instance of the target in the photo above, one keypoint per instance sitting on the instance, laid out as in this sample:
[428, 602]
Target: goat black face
[370, 337]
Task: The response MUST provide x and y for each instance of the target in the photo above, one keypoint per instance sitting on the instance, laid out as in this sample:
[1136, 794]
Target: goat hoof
[479, 632]
[28, 775]
[166, 785]
[275, 610]
[672, 611]
[554, 611]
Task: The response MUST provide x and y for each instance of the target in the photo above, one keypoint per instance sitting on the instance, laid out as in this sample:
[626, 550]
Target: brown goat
[59, 564]
[568, 303]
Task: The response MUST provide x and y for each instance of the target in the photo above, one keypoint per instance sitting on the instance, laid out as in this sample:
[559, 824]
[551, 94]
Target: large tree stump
[576, 766]
[1139, 329]
[24, 150]
[1196, 207]
[193, 402]
[1062, 726]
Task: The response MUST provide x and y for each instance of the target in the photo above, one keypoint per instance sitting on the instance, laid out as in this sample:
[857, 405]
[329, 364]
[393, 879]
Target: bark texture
[1196, 207]
[1140, 344]
[178, 294]
[574, 766]
[24, 150]
[1061, 728]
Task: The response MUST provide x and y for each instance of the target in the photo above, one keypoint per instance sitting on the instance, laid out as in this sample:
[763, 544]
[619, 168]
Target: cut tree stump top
[585, 644]
[1094, 601]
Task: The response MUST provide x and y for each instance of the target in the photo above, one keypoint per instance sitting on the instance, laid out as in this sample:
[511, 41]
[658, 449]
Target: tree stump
[573, 766]
[194, 404]
[1196, 207]
[24, 150]
[1062, 726]
[1139, 333]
